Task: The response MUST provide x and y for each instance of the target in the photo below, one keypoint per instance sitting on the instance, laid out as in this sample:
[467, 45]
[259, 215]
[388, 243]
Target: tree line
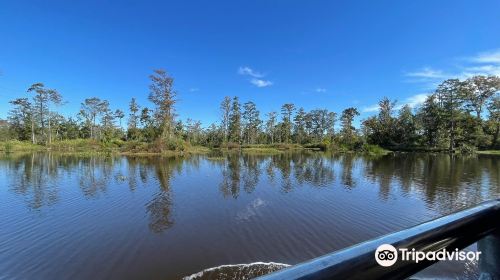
[459, 114]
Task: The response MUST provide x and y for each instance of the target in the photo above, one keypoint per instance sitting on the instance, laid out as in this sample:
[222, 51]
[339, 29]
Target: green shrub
[117, 142]
[466, 149]
[76, 145]
[373, 149]
[230, 146]
[160, 145]
[134, 146]
[8, 147]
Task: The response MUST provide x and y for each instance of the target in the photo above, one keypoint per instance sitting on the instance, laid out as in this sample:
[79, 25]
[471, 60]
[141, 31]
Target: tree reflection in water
[30, 175]
[94, 174]
[442, 182]
[445, 182]
[160, 207]
[251, 172]
[230, 185]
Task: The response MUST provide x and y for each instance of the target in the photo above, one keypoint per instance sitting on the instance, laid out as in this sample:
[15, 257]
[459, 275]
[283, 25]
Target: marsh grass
[489, 152]
[374, 150]
[261, 151]
[18, 146]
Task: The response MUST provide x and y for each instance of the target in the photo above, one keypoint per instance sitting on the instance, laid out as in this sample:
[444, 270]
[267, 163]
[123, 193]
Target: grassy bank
[261, 151]
[89, 146]
[259, 148]
[489, 152]
[19, 146]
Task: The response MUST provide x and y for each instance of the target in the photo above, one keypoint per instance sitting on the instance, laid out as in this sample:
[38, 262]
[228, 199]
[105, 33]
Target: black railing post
[489, 261]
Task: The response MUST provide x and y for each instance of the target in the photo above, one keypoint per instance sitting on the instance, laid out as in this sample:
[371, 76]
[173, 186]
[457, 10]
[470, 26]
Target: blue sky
[316, 54]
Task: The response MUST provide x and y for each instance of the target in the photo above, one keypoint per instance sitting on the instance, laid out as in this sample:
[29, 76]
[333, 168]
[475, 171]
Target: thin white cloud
[314, 90]
[487, 57]
[261, 83]
[194, 89]
[416, 100]
[247, 71]
[257, 77]
[486, 70]
[427, 73]
[370, 109]
[485, 63]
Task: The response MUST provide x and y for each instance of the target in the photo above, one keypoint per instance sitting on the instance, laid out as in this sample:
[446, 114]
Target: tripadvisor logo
[387, 255]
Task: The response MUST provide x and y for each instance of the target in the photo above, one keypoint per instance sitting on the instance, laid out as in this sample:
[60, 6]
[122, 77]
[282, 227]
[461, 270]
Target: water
[68, 217]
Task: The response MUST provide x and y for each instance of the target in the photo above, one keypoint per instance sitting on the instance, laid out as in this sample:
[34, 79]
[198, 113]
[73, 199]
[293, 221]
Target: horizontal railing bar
[454, 231]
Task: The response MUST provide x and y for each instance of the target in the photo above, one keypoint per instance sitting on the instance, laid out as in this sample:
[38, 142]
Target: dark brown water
[67, 217]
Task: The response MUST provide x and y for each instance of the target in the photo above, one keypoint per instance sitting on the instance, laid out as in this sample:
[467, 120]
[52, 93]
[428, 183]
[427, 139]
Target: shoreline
[88, 147]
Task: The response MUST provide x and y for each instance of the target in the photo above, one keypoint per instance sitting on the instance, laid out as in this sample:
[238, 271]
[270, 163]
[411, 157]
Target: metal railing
[456, 231]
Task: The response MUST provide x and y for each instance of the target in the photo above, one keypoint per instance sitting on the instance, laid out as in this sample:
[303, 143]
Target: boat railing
[450, 234]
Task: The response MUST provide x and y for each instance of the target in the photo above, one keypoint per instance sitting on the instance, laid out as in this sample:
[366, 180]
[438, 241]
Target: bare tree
[90, 109]
[42, 99]
[163, 96]
[134, 108]
[119, 114]
[55, 98]
[271, 124]
[287, 111]
[225, 108]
